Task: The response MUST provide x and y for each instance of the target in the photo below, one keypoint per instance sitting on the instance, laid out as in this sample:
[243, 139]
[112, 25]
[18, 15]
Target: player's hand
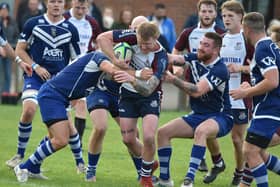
[122, 64]
[238, 93]
[168, 77]
[178, 71]
[146, 74]
[43, 73]
[234, 68]
[26, 68]
[245, 85]
[122, 76]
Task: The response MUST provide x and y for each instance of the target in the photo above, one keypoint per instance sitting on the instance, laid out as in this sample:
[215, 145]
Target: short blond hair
[148, 30]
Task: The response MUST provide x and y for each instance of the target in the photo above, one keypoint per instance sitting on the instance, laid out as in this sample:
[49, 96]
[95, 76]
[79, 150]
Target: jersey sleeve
[128, 36]
[74, 45]
[217, 77]
[265, 58]
[161, 64]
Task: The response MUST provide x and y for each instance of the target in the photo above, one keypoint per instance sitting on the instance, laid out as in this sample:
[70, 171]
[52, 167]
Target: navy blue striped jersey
[217, 76]
[266, 57]
[51, 45]
[79, 78]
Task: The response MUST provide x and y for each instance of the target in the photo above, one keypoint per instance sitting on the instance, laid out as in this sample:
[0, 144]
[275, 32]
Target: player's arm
[21, 49]
[194, 90]
[143, 87]
[105, 43]
[270, 82]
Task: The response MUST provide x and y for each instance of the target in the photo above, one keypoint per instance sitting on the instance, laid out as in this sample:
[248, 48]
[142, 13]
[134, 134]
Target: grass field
[115, 167]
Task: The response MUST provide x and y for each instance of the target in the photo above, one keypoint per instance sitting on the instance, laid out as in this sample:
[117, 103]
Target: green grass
[115, 167]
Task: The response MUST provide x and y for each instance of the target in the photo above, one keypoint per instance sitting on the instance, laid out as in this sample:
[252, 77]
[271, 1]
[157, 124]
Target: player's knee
[28, 113]
[149, 139]
[100, 130]
[200, 134]
[237, 140]
[59, 142]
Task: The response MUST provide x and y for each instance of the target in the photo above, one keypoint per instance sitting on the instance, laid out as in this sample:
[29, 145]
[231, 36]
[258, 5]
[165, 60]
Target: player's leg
[76, 147]
[217, 160]
[257, 142]
[99, 119]
[80, 117]
[177, 128]
[247, 177]
[29, 106]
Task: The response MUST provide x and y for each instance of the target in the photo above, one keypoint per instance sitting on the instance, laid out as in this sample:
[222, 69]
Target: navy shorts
[240, 116]
[52, 105]
[264, 127]
[105, 100]
[224, 121]
[133, 105]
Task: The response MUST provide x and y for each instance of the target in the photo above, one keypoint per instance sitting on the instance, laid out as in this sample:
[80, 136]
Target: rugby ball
[123, 51]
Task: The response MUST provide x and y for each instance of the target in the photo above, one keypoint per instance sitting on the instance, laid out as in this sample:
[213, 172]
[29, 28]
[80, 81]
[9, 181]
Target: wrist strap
[34, 66]
[138, 73]
[18, 60]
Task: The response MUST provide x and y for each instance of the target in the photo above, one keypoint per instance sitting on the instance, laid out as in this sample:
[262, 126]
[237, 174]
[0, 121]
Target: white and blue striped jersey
[217, 75]
[266, 57]
[79, 78]
[51, 45]
[156, 60]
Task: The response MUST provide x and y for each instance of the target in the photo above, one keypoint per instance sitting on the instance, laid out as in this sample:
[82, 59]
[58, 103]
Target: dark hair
[207, 2]
[215, 37]
[159, 6]
[255, 21]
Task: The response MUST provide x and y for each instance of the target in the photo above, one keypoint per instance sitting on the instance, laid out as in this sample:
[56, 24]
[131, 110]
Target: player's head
[137, 21]
[80, 8]
[253, 24]
[160, 11]
[55, 8]
[147, 34]
[275, 34]
[232, 12]
[209, 47]
[207, 12]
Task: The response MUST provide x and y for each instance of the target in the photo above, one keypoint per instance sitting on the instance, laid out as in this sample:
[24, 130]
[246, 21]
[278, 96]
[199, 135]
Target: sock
[164, 155]
[137, 163]
[24, 131]
[34, 161]
[76, 149]
[92, 162]
[146, 168]
[247, 177]
[80, 125]
[217, 160]
[238, 173]
[197, 155]
[43, 140]
[273, 164]
[260, 175]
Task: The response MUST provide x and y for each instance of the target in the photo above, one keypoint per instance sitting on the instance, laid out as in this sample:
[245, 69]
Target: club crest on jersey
[154, 104]
[242, 115]
[53, 32]
[238, 46]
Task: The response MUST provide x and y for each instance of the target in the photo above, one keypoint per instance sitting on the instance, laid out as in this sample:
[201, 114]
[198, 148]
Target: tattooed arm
[146, 88]
[194, 90]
